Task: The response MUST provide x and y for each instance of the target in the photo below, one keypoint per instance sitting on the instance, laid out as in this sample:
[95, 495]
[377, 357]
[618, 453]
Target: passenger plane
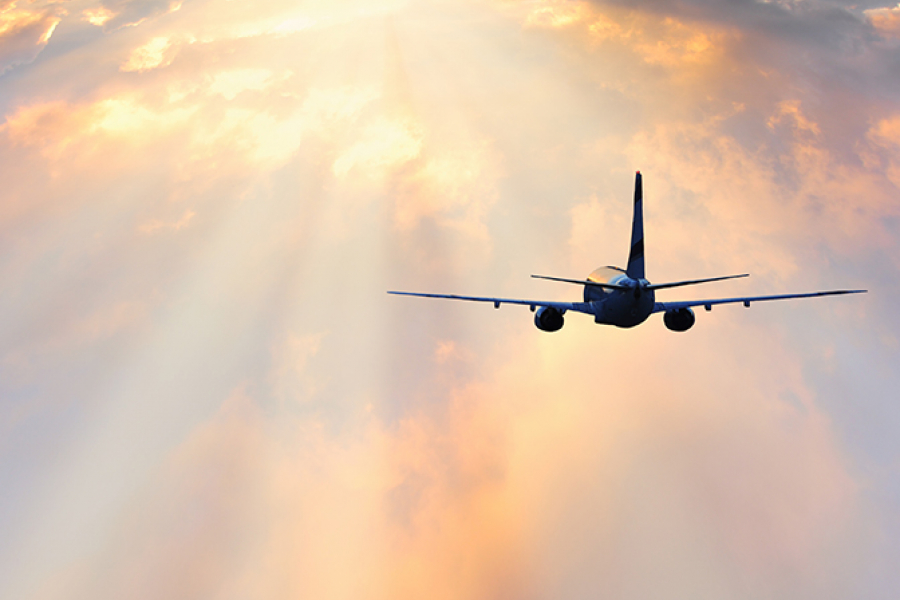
[624, 298]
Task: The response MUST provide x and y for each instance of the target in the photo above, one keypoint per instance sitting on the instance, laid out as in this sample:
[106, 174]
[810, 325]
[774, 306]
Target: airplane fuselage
[622, 308]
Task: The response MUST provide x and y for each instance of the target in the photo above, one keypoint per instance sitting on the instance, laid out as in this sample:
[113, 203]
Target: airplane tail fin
[635, 269]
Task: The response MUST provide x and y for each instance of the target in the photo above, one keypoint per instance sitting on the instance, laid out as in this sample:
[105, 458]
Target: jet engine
[679, 319]
[548, 318]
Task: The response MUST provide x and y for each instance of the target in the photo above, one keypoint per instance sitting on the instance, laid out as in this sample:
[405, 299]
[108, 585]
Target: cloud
[98, 16]
[384, 145]
[386, 506]
[81, 131]
[885, 135]
[885, 20]
[532, 481]
[115, 14]
[456, 188]
[158, 52]
[24, 33]
[803, 182]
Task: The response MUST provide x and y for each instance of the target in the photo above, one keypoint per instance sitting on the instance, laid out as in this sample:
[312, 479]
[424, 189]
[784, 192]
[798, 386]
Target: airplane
[624, 297]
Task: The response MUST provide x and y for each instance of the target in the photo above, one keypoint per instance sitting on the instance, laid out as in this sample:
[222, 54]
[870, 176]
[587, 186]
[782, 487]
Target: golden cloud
[384, 145]
[663, 41]
[158, 52]
[60, 129]
[556, 13]
[98, 16]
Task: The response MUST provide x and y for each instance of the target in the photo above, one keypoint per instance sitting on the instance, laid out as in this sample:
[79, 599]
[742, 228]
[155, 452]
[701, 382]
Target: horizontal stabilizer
[587, 282]
[662, 286]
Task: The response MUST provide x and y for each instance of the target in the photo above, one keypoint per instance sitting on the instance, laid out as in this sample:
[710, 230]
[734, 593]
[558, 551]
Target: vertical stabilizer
[635, 268]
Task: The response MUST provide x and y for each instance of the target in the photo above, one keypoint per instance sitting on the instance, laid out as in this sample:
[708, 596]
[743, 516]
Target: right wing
[708, 304]
[582, 307]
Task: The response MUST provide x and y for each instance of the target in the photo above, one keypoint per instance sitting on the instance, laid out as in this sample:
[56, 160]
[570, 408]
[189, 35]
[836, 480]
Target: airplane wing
[746, 300]
[582, 307]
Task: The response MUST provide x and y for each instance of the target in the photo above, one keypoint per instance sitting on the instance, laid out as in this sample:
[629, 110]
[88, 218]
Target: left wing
[708, 304]
[582, 307]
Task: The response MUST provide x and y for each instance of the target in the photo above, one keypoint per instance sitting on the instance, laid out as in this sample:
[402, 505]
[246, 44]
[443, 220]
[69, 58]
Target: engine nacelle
[679, 319]
[548, 318]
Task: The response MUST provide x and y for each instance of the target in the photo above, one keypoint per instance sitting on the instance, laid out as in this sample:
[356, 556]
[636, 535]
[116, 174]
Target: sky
[206, 393]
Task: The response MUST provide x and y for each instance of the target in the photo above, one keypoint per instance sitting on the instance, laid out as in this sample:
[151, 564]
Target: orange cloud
[537, 478]
[885, 136]
[885, 20]
[665, 41]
